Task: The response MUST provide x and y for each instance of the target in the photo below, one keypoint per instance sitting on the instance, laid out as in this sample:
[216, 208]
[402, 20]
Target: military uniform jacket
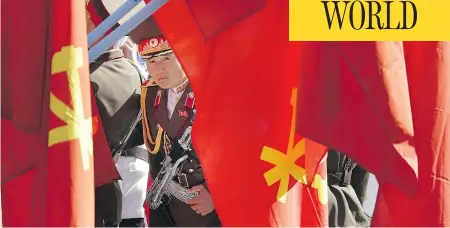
[116, 85]
[157, 127]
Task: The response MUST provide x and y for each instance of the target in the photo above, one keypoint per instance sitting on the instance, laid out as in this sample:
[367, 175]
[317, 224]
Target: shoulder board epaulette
[149, 82]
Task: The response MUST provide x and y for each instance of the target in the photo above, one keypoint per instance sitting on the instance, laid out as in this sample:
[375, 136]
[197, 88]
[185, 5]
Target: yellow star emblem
[285, 165]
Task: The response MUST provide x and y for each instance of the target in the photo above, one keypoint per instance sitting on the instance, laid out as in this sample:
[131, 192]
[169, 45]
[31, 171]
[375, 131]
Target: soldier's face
[166, 70]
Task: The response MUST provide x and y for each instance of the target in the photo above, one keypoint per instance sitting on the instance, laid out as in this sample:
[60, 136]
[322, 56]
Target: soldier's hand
[202, 204]
[130, 50]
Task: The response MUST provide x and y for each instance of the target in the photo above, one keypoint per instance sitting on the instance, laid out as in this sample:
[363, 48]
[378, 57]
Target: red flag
[354, 98]
[47, 177]
[243, 72]
[61, 176]
[1, 220]
[428, 68]
[70, 183]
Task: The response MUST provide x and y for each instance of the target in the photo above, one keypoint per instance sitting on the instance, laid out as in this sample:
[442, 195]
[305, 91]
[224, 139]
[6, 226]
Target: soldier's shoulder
[149, 83]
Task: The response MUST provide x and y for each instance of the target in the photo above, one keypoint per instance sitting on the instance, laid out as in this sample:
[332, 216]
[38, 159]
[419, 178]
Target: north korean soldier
[117, 79]
[168, 105]
[116, 83]
[133, 163]
[344, 206]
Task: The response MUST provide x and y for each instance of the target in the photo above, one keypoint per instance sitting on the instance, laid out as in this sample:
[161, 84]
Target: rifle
[164, 184]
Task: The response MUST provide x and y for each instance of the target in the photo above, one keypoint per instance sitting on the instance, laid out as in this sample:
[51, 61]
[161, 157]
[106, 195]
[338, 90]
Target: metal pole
[111, 20]
[124, 29]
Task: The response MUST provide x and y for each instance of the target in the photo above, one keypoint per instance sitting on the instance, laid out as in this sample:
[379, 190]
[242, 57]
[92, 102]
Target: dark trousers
[108, 205]
[161, 217]
[132, 222]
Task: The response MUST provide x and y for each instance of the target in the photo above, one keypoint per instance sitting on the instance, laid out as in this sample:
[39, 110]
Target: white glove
[130, 50]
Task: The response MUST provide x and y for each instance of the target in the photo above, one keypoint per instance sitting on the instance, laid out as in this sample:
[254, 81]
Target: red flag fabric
[25, 105]
[21, 98]
[47, 128]
[59, 164]
[1, 220]
[354, 98]
[70, 174]
[242, 69]
[428, 68]
[105, 170]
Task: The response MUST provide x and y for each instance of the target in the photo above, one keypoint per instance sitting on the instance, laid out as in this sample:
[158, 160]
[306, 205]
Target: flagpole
[124, 29]
[111, 20]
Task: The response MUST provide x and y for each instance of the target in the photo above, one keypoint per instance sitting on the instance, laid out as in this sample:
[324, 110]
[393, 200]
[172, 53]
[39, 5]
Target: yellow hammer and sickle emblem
[69, 60]
[285, 163]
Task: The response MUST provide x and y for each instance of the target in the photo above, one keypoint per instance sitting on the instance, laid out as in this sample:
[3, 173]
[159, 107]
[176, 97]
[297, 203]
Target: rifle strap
[117, 152]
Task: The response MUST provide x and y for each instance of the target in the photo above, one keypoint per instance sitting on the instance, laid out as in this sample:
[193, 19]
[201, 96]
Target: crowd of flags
[268, 109]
